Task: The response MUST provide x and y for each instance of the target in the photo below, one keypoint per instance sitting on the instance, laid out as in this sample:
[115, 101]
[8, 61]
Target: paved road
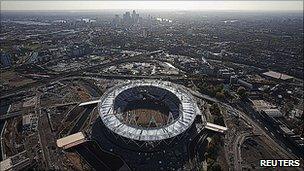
[273, 132]
[69, 74]
[237, 150]
[42, 125]
[260, 129]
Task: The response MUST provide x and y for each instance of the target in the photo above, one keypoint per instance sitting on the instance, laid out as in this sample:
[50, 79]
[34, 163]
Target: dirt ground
[13, 79]
[255, 148]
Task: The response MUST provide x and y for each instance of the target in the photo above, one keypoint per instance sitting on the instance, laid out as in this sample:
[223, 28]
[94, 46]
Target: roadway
[81, 120]
[257, 129]
[94, 68]
[43, 125]
[87, 70]
[260, 129]
[10, 115]
[237, 149]
[71, 73]
[272, 130]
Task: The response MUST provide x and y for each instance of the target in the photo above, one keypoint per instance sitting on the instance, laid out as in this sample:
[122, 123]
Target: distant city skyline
[155, 5]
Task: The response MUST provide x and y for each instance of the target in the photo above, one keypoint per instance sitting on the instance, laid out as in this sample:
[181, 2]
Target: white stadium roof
[183, 122]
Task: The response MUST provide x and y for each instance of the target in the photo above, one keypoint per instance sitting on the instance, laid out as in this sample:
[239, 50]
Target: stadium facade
[150, 124]
[148, 113]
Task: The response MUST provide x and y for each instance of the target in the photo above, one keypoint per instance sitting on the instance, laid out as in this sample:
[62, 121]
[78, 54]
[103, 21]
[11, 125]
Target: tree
[215, 167]
[241, 91]
[220, 95]
[214, 109]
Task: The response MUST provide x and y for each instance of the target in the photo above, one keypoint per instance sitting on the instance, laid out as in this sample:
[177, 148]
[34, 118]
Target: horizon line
[115, 9]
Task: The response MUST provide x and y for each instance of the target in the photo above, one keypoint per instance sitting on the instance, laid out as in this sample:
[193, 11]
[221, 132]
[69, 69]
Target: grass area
[13, 79]
[33, 47]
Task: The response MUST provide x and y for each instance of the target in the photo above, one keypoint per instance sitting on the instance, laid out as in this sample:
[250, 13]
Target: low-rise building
[273, 112]
[71, 140]
[16, 162]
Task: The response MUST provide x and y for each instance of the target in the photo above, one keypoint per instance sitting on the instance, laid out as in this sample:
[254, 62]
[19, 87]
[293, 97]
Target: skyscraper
[116, 20]
[135, 17]
[127, 18]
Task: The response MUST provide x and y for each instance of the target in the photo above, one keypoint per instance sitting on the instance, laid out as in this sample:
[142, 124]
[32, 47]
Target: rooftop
[277, 75]
[273, 112]
[71, 140]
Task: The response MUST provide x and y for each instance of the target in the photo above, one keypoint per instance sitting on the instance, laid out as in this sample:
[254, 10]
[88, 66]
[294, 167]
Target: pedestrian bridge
[89, 103]
[214, 127]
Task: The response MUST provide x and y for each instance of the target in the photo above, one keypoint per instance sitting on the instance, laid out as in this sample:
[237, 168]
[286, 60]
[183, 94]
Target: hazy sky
[173, 5]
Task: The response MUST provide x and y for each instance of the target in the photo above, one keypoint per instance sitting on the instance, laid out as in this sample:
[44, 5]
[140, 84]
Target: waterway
[3, 110]
[82, 119]
[29, 23]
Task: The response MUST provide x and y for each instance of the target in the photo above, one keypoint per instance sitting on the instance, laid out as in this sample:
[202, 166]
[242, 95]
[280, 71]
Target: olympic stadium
[147, 124]
[148, 111]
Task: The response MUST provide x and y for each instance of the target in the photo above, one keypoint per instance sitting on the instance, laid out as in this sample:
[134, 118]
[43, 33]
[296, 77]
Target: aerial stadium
[157, 120]
[148, 111]
[149, 117]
